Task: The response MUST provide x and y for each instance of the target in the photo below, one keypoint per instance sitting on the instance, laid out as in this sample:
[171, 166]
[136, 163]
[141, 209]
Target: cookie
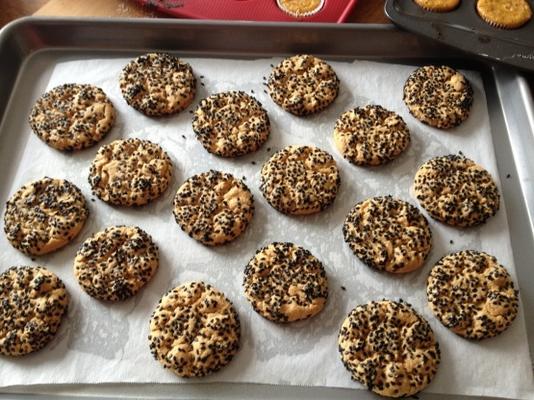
[158, 84]
[303, 85]
[300, 8]
[457, 191]
[114, 264]
[231, 124]
[72, 116]
[506, 14]
[389, 348]
[213, 207]
[388, 234]
[284, 283]
[438, 5]
[300, 180]
[194, 330]
[44, 215]
[438, 96]
[371, 135]
[33, 301]
[472, 294]
[130, 172]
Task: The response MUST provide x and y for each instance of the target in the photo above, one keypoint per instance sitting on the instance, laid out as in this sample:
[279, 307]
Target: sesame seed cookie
[371, 135]
[130, 172]
[300, 8]
[472, 294]
[72, 116]
[438, 5]
[285, 283]
[300, 180]
[303, 85]
[44, 215]
[194, 330]
[116, 263]
[389, 348]
[231, 124]
[213, 207]
[158, 84]
[457, 191]
[438, 96]
[506, 14]
[33, 302]
[388, 234]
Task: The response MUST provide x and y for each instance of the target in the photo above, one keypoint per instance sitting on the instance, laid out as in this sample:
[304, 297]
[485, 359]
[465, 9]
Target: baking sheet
[107, 342]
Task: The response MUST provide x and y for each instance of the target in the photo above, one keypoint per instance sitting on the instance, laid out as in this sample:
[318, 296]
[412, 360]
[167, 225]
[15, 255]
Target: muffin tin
[464, 29]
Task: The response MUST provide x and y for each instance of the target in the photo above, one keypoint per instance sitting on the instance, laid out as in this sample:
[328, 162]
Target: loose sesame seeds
[114, 264]
[285, 283]
[300, 180]
[194, 330]
[472, 294]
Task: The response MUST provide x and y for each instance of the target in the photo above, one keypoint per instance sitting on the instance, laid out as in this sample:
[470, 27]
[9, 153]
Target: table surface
[366, 11]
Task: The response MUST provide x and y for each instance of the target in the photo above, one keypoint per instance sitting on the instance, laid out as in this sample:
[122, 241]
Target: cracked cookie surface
[213, 207]
[457, 191]
[114, 264]
[300, 180]
[194, 330]
[438, 96]
[130, 172]
[389, 348]
[388, 234]
[158, 84]
[34, 301]
[44, 215]
[284, 283]
[303, 85]
[472, 294]
[72, 116]
[371, 135]
[231, 124]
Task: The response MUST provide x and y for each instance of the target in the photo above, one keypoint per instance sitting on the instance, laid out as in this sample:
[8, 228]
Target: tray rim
[505, 76]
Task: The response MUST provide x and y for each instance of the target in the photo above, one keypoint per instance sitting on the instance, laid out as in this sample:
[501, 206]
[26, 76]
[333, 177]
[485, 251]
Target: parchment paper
[100, 342]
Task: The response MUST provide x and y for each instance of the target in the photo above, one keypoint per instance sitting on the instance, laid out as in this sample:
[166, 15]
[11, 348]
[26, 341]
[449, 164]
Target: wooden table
[367, 11]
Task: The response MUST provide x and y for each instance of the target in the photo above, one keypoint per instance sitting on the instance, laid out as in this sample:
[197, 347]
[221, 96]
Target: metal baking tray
[465, 30]
[30, 47]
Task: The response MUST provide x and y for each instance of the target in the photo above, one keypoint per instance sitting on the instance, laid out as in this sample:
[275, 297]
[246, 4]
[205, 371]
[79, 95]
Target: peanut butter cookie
[389, 348]
[194, 330]
[72, 116]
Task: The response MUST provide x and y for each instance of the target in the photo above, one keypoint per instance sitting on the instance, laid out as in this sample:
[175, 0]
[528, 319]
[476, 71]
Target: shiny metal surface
[465, 30]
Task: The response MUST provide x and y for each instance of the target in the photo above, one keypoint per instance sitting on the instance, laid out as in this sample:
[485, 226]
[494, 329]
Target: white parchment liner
[101, 342]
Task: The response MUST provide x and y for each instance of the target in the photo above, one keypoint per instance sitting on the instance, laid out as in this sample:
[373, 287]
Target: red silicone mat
[249, 10]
